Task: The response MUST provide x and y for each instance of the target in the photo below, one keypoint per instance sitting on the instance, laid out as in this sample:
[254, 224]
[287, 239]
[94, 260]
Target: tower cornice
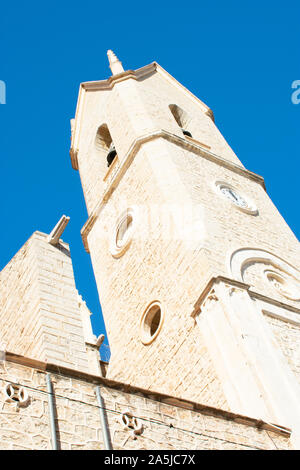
[287, 308]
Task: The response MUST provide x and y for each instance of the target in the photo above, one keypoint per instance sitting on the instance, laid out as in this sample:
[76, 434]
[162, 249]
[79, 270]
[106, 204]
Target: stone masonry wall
[40, 314]
[133, 109]
[157, 94]
[142, 275]
[288, 338]
[20, 302]
[172, 269]
[164, 426]
[169, 266]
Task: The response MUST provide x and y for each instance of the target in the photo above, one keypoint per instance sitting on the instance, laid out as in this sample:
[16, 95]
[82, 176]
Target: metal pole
[104, 425]
[51, 407]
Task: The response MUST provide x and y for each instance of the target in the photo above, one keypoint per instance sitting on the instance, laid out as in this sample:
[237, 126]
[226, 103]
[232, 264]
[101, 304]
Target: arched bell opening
[104, 144]
[182, 119]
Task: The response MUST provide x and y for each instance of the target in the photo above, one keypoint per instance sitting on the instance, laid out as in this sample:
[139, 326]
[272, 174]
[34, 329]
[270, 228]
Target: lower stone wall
[288, 338]
[159, 425]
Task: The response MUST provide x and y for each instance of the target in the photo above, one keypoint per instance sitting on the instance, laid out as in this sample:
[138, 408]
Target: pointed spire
[114, 63]
[54, 236]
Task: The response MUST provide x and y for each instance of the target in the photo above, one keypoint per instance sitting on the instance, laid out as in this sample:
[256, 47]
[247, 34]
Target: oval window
[123, 230]
[122, 234]
[151, 323]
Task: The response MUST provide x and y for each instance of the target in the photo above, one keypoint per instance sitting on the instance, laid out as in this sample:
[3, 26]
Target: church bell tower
[197, 272]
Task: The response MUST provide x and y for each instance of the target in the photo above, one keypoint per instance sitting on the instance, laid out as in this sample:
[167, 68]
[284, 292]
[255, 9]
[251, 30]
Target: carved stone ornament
[283, 285]
[233, 290]
[210, 300]
[131, 423]
[16, 394]
[265, 272]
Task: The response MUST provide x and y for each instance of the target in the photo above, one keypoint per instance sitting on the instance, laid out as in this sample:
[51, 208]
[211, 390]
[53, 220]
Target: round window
[151, 323]
[285, 287]
[123, 230]
[122, 234]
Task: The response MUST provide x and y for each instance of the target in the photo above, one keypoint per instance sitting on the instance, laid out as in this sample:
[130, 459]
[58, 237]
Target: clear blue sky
[240, 58]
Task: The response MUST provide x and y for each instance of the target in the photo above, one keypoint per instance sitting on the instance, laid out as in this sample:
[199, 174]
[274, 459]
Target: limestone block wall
[142, 275]
[227, 227]
[132, 109]
[20, 301]
[287, 337]
[164, 425]
[158, 93]
[40, 313]
[173, 253]
[163, 176]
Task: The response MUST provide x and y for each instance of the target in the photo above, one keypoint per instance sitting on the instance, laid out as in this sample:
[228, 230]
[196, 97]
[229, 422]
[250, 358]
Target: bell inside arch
[111, 154]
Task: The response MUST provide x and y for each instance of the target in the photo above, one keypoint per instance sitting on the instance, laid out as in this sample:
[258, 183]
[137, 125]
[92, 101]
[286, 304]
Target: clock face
[234, 196]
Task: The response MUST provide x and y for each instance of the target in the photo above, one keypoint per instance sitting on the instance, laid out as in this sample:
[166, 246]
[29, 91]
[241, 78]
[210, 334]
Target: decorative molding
[210, 300]
[209, 294]
[283, 316]
[243, 256]
[112, 169]
[271, 301]
[234, 285]
[74, 159]
[278, 311]
[283, 285]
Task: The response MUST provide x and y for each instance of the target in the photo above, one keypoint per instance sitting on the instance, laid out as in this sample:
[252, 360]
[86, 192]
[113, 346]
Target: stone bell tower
[197, 272]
